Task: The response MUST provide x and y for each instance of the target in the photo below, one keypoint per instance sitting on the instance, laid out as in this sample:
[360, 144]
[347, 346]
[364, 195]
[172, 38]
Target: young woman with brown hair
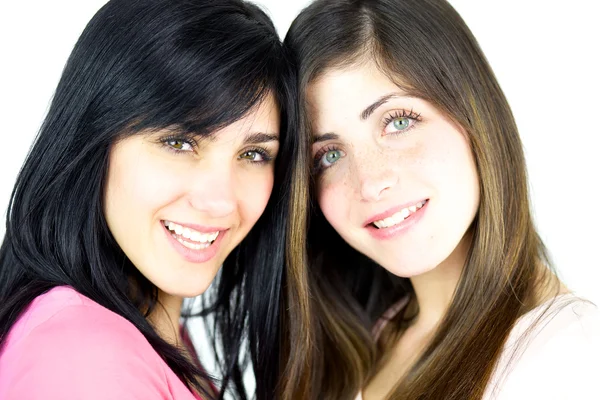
[427, 276]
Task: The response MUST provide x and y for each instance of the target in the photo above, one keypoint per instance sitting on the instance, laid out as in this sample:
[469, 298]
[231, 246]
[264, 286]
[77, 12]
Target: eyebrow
[382, 100]
[325, 137]
[261, 137]
[363, 115]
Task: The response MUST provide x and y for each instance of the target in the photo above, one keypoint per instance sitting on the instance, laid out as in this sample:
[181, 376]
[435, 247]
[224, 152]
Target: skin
[221, 183]
[403, 152]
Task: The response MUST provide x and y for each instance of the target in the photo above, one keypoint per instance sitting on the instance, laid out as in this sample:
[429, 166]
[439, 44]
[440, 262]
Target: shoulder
[554, 352]
[65, 344]
[63, 313]
[567, 323]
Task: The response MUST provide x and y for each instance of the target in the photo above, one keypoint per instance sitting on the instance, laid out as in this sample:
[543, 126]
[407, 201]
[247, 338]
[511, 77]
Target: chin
[407, 269]
[186, 288]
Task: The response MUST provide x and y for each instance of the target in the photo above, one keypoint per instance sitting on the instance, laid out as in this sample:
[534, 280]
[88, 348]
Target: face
[396, 178]
[179, 205]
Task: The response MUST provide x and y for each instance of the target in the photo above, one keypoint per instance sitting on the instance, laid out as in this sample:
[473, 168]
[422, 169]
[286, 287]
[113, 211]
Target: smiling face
[178, 205]
[395, 178]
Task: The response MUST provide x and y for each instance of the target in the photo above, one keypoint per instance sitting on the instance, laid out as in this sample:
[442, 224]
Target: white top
[558, 360]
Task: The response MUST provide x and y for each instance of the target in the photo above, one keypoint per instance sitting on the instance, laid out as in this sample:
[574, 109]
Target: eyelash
[264, 153]
[415, 117]
[317, 167]
[165, 141]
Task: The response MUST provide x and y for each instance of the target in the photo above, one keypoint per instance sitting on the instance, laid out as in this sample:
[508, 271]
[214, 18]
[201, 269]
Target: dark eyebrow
[382, 100]
[324, 137]
[260, 137]
[363, 115]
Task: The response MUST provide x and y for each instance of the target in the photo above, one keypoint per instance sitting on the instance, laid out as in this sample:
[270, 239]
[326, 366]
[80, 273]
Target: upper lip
[199, 228]
[391, 211]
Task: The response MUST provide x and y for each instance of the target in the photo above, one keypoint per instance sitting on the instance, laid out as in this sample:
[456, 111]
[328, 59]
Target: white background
[544, 53]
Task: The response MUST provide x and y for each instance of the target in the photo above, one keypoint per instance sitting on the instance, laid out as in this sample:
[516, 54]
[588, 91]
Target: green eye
[179, 144]
[326, 157]
[256, 156]
[176, 144]
[250, 156]
[401, 123]
[332, 156]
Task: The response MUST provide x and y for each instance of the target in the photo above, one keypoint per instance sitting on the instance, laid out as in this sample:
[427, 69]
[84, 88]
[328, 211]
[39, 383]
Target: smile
[191, 238]
[399, 216]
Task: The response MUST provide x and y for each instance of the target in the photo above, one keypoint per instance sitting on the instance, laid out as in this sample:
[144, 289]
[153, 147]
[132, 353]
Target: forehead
[347, 86]
[341, 91]
[264, 117]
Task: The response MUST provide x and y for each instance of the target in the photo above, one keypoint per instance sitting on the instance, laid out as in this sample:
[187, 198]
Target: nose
[375, 181]
[213, 192]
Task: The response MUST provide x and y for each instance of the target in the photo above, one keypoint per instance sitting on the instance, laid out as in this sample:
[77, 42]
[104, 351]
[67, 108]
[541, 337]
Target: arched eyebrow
[378, 103]
[325, 137]
[367, 112]
[261, 137]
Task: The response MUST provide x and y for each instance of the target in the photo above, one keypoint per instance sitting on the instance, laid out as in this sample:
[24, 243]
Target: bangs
[199, 77]
[201, 98]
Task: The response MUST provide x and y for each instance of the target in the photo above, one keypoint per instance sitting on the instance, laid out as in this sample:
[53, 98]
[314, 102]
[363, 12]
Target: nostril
[373, 189]
[213, 205]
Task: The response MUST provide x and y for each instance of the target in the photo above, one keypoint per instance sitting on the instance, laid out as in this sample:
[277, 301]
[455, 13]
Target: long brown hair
[425, 47]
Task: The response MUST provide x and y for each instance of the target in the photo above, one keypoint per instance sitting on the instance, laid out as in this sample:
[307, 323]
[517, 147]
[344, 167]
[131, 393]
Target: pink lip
[200, 255]
[402, 227]
[391, 212]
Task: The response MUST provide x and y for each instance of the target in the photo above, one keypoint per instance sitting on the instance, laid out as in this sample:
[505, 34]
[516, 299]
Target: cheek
[333, 202]
[254, 189]
[461, 165]
[137, 188]
[456, 175]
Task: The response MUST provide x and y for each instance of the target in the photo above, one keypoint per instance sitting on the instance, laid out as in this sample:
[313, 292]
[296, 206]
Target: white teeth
[195, 240]
[193, 246]
[196, 236]
[399, 216]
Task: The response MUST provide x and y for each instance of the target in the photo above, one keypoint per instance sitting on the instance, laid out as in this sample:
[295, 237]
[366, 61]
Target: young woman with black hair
[157, 171]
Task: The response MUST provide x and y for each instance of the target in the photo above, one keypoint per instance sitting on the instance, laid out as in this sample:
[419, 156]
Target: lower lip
[192, 255]
[399, 229]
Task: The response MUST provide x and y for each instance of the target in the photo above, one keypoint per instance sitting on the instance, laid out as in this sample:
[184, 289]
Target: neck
[435, 289]
[165, 318]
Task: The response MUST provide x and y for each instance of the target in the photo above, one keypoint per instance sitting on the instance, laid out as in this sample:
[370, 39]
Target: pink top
[66, 346]
[558, 360]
